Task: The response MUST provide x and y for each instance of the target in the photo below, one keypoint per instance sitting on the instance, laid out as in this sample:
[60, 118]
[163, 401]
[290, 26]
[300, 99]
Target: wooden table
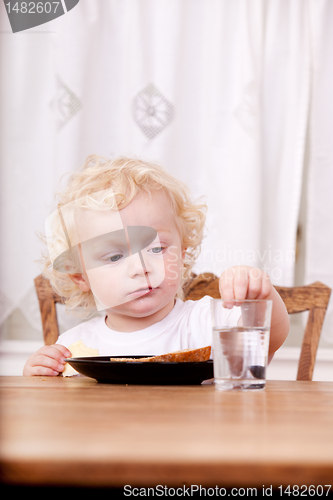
[74, 431]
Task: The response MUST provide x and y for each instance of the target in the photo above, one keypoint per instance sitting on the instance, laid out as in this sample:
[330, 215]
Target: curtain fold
[319, 210]
[26, 158]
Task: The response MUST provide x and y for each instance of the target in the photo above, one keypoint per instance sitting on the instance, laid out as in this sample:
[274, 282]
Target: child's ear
[79, 280]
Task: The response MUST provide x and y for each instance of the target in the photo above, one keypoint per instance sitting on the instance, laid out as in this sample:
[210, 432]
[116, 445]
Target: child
[124, 240]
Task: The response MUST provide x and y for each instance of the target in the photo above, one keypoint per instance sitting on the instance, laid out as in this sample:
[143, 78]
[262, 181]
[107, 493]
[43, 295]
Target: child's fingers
[241, 284]
[55, 351]
[41, 360]
[255, 283]
[49, 360]
[226, 286]
[43, 371]
[66, 352]
[266, 286]
[38, 365]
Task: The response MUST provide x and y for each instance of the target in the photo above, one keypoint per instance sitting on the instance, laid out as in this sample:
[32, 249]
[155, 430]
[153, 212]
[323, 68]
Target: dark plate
[160, 373]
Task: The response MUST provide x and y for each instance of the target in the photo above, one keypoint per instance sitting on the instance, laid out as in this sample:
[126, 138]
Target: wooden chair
[313, 298]
[47, 299]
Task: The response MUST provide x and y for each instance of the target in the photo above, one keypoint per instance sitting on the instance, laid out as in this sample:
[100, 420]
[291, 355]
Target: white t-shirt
[187, 326]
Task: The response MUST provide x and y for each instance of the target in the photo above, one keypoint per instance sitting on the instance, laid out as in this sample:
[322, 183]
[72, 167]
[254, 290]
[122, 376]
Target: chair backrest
[47, 299]
[313, 298]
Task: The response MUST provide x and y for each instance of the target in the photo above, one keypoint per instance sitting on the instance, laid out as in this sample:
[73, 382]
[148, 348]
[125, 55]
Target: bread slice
[78, 350]
[185, 356]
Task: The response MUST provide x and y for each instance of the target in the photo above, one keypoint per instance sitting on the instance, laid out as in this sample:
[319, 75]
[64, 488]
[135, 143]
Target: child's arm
[244, 282]
[48, 360]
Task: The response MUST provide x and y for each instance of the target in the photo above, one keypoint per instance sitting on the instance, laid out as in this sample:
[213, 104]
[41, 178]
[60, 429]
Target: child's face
[137, 271]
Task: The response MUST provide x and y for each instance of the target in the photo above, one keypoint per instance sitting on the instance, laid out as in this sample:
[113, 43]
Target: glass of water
[240, 343]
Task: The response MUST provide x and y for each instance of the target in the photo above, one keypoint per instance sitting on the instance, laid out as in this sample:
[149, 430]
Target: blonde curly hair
[127, 177]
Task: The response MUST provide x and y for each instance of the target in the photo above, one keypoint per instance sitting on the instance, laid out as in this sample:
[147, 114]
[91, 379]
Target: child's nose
[136, 266]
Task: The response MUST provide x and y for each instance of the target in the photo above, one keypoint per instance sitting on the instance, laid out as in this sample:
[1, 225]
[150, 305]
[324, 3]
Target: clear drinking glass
[240, 343]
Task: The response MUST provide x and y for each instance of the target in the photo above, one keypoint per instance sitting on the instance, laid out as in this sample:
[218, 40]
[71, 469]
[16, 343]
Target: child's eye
[156, 250]
[113, 258]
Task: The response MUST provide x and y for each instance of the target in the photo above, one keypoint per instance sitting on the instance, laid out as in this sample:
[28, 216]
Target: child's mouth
[140, 292]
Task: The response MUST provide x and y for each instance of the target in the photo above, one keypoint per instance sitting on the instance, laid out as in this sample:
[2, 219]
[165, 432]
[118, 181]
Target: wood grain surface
[74, 431]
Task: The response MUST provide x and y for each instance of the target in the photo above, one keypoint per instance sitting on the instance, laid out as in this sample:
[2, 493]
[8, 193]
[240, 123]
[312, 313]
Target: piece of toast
[185, 356]
[78, 350]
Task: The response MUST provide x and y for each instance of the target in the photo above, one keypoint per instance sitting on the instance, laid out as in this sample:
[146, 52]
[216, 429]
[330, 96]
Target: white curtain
[218, 92]
[319, 228]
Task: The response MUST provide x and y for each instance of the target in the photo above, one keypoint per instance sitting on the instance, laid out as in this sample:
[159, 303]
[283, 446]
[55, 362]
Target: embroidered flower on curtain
[65, 104]
[152, 111]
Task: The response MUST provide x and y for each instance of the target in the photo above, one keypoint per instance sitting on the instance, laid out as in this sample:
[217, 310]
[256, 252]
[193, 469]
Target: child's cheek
[173, 269]
[105, 293]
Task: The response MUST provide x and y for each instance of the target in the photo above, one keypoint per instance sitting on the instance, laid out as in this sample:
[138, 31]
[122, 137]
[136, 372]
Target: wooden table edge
[101, 474]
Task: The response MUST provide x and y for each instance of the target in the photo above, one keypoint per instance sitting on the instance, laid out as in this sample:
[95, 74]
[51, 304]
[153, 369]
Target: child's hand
[49, 360]
[244, 282]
